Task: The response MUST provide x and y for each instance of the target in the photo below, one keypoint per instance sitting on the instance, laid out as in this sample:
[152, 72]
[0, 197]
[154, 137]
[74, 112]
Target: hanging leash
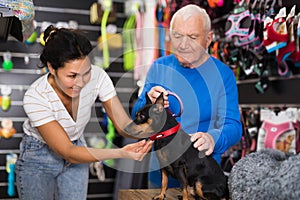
[107, 6]
[139, 42]
[129, 39]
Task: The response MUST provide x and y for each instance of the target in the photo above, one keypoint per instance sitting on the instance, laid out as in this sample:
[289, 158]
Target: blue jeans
[41, 174]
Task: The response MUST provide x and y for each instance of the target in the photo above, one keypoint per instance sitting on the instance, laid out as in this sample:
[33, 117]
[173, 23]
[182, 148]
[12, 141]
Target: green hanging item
[32, 38]
[107, 6]
[129, 42]
[5, 99]
[110, 137]
[7, 64]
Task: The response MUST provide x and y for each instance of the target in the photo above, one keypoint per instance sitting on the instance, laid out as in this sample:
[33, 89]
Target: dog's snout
[127, 128]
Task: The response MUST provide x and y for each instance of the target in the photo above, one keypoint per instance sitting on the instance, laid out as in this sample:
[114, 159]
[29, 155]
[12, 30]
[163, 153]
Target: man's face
[189, 40]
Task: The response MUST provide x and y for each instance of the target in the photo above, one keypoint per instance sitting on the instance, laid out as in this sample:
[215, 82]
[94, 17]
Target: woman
[53, 154]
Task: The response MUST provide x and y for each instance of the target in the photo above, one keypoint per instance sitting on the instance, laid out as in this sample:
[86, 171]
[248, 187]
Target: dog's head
[150, 119]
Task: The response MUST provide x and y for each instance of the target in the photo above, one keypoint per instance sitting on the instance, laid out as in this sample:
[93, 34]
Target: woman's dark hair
[63, 45]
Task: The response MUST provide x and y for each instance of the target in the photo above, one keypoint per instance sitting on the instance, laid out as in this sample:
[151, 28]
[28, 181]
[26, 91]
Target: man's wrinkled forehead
[184, 16]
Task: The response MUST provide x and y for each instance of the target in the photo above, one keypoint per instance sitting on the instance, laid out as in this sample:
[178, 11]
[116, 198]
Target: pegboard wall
[25, 72]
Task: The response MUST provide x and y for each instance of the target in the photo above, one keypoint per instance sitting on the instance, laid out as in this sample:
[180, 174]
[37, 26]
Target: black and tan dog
[199, 176]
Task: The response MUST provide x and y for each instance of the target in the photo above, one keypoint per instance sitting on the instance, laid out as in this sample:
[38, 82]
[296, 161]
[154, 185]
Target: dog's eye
[140, 118]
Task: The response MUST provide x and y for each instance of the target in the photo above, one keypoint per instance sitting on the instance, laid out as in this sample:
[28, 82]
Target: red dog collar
[166, 133]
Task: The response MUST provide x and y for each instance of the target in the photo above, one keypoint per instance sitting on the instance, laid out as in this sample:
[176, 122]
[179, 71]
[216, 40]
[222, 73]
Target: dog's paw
[179, 197]
[159, 197]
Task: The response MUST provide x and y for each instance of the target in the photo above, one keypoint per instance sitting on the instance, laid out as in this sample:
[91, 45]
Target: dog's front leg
[183, 182]
[164, 186]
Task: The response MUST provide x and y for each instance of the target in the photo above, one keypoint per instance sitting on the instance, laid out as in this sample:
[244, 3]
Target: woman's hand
[154, 93]
[138, 150]
[203, 142]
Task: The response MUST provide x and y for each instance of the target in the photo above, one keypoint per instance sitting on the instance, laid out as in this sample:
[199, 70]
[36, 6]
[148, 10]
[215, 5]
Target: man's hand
[204, 141]
[154, 93]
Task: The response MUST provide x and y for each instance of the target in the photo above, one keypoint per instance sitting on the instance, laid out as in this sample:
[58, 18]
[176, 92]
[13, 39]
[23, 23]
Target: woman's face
[189, 40]
[70, 79]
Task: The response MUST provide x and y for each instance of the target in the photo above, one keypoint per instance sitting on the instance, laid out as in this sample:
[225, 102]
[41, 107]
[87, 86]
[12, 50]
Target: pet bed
[266, 174]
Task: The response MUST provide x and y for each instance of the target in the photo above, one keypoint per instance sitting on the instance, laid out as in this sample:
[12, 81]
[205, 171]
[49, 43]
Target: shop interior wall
[282, 90]
[22, 75]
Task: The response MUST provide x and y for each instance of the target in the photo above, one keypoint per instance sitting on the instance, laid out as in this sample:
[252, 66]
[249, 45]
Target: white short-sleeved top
[42, 105]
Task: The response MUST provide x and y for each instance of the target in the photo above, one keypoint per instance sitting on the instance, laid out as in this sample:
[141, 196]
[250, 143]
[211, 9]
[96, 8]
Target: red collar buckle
[166, 133]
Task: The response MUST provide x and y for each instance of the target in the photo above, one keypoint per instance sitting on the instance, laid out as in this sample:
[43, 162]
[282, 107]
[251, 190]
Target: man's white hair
[191, 10]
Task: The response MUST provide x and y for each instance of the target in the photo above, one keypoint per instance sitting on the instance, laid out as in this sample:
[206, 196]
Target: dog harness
[273, 131]
[270, 133]
[166, 133]
[238, 23]
[271, 35]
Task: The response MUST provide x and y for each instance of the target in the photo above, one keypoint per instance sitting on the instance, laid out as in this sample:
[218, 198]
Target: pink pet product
[273, 131]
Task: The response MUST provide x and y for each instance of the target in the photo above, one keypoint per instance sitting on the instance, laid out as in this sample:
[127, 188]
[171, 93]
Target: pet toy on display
[5, 99]
[7, 129]
[32, 38]
[10, 169]
[7, 63]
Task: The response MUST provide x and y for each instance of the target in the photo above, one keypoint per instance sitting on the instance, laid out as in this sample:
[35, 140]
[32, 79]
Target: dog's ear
[148, 100]
[160, 99]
